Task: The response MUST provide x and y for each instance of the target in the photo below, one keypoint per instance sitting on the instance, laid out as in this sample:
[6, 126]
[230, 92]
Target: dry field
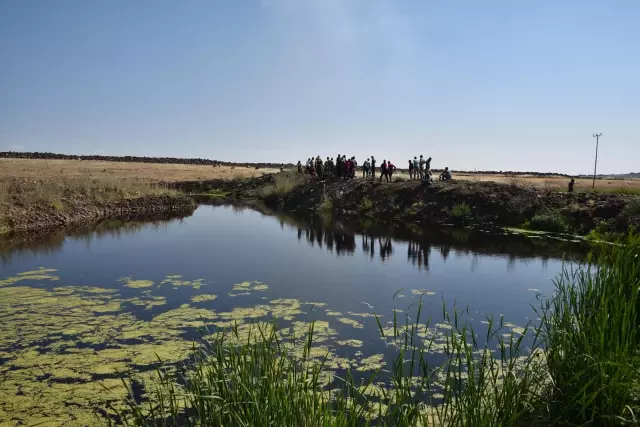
[629, 185]
[152, 172]
[112, 171]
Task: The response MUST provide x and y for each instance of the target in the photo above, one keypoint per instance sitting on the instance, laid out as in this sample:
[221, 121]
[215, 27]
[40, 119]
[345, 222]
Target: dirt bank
[462, 202]
[47, 217]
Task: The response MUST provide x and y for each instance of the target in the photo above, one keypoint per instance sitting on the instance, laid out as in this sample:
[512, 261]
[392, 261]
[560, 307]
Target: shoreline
[485, 204]
[48, 220]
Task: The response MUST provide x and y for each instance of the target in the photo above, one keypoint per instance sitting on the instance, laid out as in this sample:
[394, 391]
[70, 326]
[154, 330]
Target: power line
[595, 167]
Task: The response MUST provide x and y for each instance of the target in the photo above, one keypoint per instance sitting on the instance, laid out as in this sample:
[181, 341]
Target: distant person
[365, 168]
[390, 168]
[416, 167]
[339, 166]
[299, 167]
[373, 167]
[410, 169]
[422, 163]
[427, 166]
[572, 183]
[383, 171]
[281, 167]
[445, 175]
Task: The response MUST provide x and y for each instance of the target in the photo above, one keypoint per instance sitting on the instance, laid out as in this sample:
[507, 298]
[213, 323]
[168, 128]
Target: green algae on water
[130, 283]
[203, 298]
[41, 274]
[351, 322]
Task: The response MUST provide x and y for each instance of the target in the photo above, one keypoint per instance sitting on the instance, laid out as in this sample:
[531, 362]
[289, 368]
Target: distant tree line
[135, 159]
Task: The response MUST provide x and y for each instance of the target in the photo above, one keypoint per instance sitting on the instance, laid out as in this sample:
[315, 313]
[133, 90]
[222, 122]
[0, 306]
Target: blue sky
[496, 84]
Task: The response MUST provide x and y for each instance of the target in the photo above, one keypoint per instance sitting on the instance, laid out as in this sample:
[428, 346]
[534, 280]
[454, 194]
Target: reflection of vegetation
[52, 242]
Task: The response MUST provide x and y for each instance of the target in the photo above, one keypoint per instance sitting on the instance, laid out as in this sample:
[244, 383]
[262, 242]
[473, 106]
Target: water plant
[579, 366]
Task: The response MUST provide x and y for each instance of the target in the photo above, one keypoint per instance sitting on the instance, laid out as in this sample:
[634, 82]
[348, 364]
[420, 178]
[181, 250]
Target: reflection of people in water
[444, 250]
[419, 253]
[299, 233]
[385, 248]
[365, 244]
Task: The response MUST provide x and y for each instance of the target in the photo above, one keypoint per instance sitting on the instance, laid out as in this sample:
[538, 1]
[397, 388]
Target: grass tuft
[283, 183]
[461, 210]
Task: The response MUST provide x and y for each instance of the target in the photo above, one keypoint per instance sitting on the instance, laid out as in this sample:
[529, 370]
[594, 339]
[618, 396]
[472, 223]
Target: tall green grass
[592, 339]
[579, 366]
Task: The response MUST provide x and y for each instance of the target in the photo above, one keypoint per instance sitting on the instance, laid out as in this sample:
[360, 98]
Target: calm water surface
[330, 271]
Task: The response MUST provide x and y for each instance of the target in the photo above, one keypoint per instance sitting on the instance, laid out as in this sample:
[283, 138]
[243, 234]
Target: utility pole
[595, 167]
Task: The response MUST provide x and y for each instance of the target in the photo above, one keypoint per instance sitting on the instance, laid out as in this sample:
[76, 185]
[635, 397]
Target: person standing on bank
[373, 167]
[390, 168]
[383, 171]
[572, 183]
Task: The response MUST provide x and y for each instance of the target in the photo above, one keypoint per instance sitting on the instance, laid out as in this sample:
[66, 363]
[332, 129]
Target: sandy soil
[49, 169]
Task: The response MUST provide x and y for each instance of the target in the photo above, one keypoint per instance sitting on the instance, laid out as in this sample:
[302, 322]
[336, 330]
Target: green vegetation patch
[41, 274]
[203, 298]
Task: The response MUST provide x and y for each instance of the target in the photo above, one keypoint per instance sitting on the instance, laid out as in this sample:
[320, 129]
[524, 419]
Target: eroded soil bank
[38, 218]
[463, 202]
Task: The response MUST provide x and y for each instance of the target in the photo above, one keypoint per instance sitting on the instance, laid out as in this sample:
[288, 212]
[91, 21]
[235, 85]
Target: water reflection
[12, 246]
[378, 241]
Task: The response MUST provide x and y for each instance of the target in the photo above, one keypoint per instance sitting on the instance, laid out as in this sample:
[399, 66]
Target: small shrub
[366, 204]
[633, 208]
[550, 220]
[461, 210]
[326, 205]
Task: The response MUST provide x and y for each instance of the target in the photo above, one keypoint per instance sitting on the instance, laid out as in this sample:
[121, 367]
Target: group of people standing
[341, 168]
[345, 168]
[420, 169]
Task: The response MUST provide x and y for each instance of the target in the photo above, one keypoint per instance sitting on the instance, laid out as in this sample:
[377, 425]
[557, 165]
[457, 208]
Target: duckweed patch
[176, 281]
[130, 283]
[351, 322]
[41, 274]
[203, 298]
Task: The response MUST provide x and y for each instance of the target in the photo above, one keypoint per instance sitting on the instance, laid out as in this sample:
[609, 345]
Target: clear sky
[494, 84]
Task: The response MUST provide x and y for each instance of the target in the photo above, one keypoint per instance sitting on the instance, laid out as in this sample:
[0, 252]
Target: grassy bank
[33, 204]
[579, 366]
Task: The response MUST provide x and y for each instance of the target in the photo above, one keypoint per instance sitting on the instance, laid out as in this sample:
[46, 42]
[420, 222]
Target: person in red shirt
[390, 168]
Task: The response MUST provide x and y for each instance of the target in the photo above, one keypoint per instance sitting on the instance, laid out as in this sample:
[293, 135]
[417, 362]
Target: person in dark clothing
[383, 171]
[299, 167]
[445, 175]
[345, 167]
[373, 167]
[410, 169]
[390, 168]
[572, 183]
[339, 166]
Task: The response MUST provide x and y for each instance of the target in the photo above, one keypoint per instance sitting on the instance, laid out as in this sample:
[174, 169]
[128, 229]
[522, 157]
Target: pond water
[79, 312]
